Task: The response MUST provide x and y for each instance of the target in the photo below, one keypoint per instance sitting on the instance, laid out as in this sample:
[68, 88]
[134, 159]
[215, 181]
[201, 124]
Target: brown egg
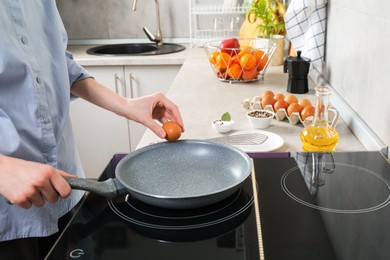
[294, 107]
[267, 100]
[172, 130]
[304, 102]
[279, 96]
[306, 112]
[280, 104]
[266, 93]
[291, 98]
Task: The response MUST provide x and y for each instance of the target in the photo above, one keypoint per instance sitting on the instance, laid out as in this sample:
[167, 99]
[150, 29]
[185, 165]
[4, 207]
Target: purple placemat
[270, 155]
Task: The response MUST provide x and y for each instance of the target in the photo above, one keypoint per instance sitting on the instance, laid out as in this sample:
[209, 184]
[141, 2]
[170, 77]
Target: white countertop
[202, 98]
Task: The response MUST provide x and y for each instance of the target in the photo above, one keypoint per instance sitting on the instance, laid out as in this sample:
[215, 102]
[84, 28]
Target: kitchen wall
[357, 49]
[357, 59]
[114, 19]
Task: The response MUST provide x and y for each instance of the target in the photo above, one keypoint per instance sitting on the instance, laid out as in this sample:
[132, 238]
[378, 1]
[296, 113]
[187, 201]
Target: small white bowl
[260, 118]
[222, 126]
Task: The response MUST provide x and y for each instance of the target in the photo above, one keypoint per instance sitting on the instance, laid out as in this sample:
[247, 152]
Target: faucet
[157, 38]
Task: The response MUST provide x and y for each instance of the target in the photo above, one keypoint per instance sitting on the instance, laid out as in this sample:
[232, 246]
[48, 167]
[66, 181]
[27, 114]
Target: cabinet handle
[131, 78]
[116, 78]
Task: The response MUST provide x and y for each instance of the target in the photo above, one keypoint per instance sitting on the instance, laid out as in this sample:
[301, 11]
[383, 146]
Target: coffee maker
[298, 69]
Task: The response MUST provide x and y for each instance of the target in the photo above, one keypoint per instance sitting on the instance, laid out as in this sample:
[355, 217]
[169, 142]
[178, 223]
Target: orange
[234, 71]
[245, 50]
[221, 73]
[248, 61]
[213, 57]
[261, 59]
[223, 60]
[249, 74]
[235, 59]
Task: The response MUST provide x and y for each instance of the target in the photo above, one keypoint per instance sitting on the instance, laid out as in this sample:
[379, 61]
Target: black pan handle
[110, 188]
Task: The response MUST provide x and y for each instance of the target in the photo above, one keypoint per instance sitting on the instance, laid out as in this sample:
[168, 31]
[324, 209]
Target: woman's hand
[157, 106]
[26, 183]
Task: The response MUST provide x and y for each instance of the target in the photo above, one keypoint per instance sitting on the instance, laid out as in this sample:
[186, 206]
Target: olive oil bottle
[321, 135]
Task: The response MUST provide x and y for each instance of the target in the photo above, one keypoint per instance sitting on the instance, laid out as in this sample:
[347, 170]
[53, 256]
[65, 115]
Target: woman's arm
[143, 110]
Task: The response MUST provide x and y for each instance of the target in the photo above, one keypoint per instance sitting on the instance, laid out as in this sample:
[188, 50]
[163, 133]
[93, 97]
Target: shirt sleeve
[75, 70]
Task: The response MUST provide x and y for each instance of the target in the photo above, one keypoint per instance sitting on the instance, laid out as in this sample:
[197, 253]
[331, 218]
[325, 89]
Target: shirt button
[45, 120]
[50, 158]
[24, 39]
[38, 80]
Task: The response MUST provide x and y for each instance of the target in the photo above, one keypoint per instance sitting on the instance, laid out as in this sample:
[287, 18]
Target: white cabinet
[99, 134]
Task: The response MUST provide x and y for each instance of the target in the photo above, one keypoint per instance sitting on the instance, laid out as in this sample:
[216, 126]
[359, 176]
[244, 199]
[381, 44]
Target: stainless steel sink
[135, 49]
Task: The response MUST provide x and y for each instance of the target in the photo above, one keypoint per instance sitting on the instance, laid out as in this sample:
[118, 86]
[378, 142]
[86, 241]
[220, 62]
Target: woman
[38, 78]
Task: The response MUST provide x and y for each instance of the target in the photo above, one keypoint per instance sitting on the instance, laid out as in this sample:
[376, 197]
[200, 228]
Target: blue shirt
[36, 73]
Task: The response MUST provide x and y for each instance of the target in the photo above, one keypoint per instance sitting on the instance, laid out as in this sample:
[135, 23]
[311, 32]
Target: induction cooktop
[293, 206]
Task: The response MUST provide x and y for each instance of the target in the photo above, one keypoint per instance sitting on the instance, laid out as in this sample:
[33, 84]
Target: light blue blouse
[36, 73]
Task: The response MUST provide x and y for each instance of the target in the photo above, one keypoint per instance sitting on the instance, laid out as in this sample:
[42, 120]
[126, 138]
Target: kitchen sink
[135, 49]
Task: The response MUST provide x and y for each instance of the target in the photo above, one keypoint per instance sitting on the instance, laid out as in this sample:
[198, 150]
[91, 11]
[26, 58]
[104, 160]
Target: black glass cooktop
[298, 206]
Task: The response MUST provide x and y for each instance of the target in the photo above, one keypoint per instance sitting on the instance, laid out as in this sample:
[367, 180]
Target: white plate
[272, 143]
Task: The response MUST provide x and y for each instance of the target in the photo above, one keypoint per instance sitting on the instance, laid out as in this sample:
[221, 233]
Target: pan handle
[110, 188]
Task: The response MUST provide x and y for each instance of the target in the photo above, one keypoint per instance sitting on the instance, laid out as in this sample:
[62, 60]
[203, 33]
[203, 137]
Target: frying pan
[181, 174]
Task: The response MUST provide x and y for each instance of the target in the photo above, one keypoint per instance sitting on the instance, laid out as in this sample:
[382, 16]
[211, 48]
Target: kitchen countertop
[202, 98]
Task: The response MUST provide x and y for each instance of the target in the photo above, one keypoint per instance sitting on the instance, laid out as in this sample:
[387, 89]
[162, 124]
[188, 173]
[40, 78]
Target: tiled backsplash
[357, 59]
[357, 49]
[114, 19]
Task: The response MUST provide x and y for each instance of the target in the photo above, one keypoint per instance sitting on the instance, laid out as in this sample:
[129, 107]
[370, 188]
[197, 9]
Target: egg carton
[281, 114]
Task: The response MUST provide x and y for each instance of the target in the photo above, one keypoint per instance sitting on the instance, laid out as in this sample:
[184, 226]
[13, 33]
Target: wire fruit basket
[246, 63]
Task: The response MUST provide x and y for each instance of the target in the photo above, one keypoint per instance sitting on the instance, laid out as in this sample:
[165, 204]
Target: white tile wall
[358, 59]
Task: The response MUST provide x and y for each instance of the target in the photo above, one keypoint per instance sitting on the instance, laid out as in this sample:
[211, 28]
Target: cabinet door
[99, 134]
[146, 80]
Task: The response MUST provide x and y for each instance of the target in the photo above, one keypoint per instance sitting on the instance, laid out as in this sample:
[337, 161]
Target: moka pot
[298, 70]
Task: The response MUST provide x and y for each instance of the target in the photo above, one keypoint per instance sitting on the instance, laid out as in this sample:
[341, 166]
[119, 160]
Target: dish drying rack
[215, 19]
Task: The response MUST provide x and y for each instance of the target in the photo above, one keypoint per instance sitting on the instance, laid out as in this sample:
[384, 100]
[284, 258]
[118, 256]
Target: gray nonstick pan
[179, 175]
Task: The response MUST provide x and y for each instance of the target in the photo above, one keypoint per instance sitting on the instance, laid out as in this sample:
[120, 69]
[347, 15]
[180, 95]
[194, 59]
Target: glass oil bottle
[321, 135]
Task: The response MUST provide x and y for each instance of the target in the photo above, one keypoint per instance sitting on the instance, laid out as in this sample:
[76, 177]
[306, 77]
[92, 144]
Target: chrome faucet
[157, 38]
